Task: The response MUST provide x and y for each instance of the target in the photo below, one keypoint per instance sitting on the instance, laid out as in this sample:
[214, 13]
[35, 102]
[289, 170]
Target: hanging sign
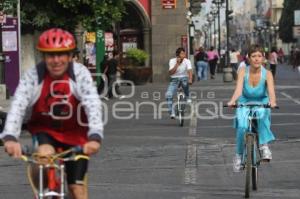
[168, 4]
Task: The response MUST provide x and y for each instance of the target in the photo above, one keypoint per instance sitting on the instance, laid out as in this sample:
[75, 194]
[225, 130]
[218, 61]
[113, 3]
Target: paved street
[149, 156]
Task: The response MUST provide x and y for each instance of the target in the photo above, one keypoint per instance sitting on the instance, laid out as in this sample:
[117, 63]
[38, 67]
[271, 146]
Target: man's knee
[169, 95]
[78, 191]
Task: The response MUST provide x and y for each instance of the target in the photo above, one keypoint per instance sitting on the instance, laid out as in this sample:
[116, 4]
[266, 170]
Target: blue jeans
[172, 89]
[202, 70]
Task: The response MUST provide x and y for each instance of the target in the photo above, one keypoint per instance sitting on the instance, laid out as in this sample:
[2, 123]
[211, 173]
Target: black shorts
[75, 170]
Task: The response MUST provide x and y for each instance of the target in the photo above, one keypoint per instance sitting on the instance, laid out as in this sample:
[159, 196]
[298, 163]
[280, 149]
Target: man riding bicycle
[62, 107]
[180, 70]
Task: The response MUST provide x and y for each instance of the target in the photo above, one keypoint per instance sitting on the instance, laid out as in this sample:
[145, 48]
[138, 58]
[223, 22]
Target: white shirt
[234, 57]
[182, 70]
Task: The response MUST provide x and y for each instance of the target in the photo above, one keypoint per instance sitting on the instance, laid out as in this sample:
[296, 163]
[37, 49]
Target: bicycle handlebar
[251, 106]
[31, 157]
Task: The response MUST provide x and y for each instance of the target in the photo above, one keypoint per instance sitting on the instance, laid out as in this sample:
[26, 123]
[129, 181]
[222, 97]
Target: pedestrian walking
[296, 59]
[111, 69]
[281, 56]
[213, 58]
[201, 59]
[273, 60]
[234, 60]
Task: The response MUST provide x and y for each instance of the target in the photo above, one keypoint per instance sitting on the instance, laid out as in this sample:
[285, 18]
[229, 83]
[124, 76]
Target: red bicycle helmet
[56, 40]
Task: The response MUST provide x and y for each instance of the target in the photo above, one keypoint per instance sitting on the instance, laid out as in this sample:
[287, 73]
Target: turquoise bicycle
[251, 158]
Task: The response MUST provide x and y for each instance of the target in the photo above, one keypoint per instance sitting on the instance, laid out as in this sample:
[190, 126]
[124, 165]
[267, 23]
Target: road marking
[193, 121]
[290, 98]
[191, 156]
[190, 169]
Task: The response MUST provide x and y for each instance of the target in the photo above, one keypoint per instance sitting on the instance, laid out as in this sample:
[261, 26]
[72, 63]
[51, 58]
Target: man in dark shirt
[111, 68]
[201, 64]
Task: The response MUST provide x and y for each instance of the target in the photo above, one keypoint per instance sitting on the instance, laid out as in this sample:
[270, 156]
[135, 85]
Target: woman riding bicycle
[255, 84]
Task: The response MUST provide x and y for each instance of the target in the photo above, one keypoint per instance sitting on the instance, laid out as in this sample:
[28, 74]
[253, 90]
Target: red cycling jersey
[57, 113]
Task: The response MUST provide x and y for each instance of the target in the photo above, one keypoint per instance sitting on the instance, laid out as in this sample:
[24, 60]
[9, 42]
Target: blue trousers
[263, 126]
[202, 67]
[172, 89]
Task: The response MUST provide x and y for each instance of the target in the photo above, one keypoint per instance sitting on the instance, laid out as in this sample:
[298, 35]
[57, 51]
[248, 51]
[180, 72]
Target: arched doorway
[135, 28]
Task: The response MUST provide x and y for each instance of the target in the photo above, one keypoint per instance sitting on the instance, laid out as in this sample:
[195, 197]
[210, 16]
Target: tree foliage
[286, 21]
[67, 14]
[9, 6]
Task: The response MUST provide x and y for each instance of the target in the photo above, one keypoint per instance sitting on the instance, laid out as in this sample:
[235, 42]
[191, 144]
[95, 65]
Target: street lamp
[191, 32]
[214, 14]
[274, 28]
[205, 30]
[229, 17]
[192, 35]
[227, 76]
[218, 4]
[209, 21]
[265, 31]
[258, 31]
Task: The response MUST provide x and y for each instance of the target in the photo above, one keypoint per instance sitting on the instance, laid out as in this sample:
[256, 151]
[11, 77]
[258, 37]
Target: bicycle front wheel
[254, 178]
[181, 110]
[180, 117]
[255, 165]
[249, 152]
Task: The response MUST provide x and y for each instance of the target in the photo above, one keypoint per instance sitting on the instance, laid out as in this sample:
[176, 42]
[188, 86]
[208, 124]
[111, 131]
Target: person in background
[201, 59]
[103, 80]
[234, 60]
[296, 58]
[213, 58]
[180, 71]
[281, 56]
[273, 61]
[76, 56]
[110, 69]
[291, 57]
[243, 63]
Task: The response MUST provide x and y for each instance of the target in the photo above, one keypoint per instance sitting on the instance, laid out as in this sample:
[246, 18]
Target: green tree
[67, 14]
[9, 6]
[286, 21]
